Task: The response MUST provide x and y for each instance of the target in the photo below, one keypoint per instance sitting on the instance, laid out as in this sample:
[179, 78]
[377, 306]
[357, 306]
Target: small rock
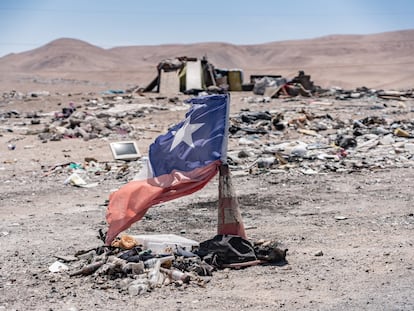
[265, 162]
[340, 217]
[58, 266]
[243, 154]
[409, 147]
[387, 140]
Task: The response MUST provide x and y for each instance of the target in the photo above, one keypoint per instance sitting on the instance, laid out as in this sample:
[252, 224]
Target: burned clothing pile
[138, 270]
[226, 249]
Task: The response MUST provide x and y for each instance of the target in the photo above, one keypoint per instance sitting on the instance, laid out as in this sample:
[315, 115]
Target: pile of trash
[301, 85]
[91, 172]
[270, 141]
[279, 86]
[96, 118]
[364, 92]
[85, 124]
[139, 264]
[293, 133]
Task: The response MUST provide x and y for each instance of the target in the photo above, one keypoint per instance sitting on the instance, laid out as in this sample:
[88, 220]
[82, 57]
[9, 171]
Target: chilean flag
[181, 162]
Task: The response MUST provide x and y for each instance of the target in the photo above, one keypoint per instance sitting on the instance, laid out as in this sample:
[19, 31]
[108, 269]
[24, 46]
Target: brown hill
[384, 60]
[63, 54]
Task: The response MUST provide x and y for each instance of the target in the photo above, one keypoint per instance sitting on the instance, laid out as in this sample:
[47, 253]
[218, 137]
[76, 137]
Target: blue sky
[28, 24]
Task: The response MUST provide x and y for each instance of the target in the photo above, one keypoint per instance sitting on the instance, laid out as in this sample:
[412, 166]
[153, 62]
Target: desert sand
[346, 218]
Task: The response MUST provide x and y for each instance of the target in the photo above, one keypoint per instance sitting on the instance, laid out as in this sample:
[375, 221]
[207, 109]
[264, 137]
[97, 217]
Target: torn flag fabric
[180, 162]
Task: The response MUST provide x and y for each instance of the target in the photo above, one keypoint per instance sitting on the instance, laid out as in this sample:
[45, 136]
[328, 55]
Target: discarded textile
[226, 249]
[271, 253]
[180, 163]
[140, 270]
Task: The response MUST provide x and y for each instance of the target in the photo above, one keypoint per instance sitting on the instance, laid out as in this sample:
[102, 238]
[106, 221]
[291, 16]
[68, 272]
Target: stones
[319, 254]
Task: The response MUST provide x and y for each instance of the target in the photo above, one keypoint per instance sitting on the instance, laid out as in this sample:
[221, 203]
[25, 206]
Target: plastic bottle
[151, 262]
[89, 269]
[176, 275]
[138, 287]
[155, 276]
[133, 268]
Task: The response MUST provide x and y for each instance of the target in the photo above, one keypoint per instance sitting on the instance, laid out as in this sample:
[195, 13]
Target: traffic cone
[229, 219]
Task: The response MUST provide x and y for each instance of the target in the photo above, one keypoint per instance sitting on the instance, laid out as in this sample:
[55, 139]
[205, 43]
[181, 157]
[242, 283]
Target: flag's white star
[185, 134]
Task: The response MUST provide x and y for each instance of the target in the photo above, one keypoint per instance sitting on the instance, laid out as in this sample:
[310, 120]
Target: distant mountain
[384, 60]
[62, 54]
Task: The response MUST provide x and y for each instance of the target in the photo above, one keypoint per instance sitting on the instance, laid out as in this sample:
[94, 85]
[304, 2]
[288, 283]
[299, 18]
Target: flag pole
[229, 220]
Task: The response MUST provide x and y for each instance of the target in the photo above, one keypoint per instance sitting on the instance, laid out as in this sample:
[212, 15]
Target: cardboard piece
[193, 76]
[169, 82]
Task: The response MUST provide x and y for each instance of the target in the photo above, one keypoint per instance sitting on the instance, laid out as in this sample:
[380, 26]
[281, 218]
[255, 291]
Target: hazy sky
[27, 24]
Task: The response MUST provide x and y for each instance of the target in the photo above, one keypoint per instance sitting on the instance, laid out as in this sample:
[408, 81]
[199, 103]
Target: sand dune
[384, 60]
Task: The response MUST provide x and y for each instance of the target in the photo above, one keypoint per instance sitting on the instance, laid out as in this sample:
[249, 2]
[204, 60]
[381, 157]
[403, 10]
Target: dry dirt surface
[346, 219]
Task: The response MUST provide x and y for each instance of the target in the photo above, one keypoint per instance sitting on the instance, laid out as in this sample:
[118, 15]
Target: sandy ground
[349, 235]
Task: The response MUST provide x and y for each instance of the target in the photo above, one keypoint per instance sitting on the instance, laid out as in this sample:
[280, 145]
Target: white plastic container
[164, 243]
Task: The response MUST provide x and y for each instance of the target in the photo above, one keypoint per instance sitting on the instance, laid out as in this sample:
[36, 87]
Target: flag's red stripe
[130, 203]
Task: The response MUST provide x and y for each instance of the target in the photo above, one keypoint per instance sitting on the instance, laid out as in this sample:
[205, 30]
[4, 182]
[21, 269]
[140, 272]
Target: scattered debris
[141, 269]
[307, 140]
[58, 266]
